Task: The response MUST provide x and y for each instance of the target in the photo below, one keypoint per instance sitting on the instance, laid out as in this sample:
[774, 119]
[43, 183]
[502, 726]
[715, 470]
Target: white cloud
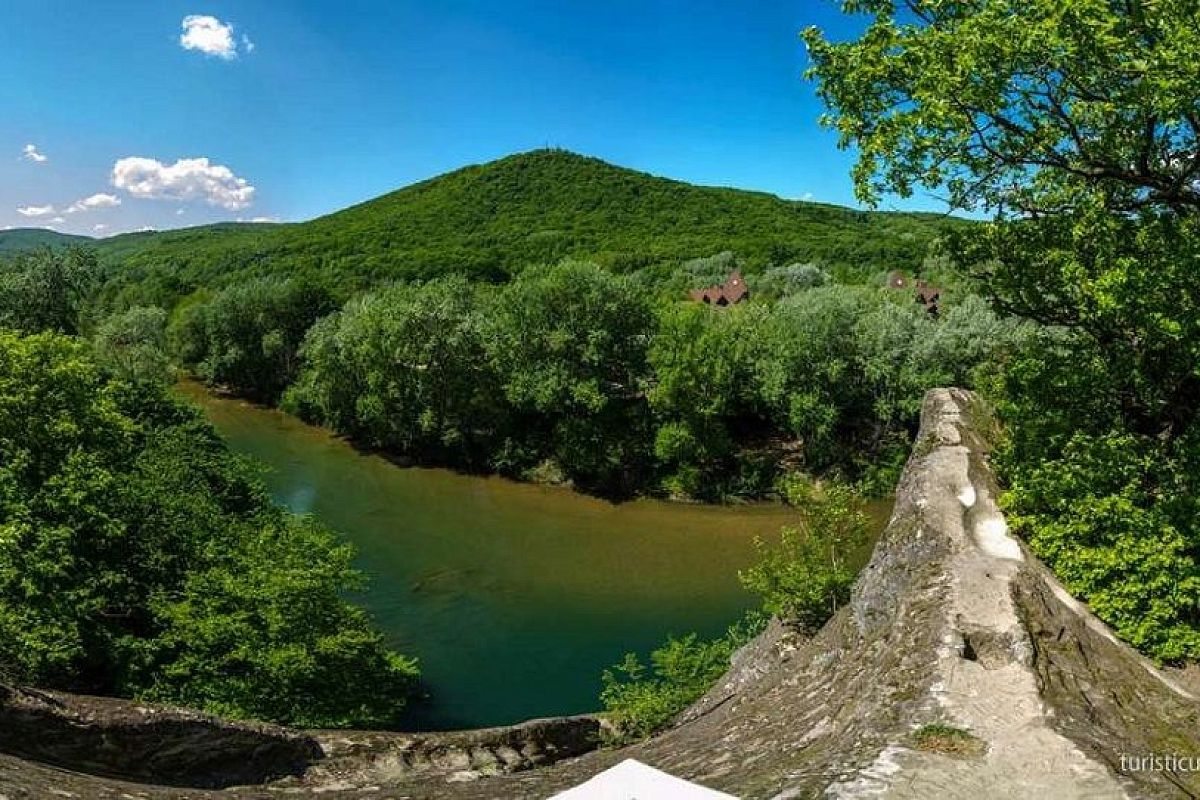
[58, 220]
[35, 211]
[186, 179]
[99, 227]
[248, 44]
[99, 200]
[210, 36]
[30, 153]
[180, 211]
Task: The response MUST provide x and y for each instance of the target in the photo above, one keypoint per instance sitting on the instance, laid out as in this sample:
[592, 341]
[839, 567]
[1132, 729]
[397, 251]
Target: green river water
[513, 597]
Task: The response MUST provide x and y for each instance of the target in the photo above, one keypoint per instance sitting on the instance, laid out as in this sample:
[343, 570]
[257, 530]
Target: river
[513, 597]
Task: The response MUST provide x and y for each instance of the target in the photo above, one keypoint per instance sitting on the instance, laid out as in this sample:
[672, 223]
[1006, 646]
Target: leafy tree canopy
[138, 557]
[1076, 123]
[1026, 107]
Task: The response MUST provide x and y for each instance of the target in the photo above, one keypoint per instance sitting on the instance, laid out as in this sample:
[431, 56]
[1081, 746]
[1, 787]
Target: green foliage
[1115, 518]
[133, 344]
[1129, 284]
[569, 345]
[808, 355]
[1023, 106]
[1103, 421]
[404, 368]
[809, 575]
[1075, 122]
[138, 557]
[844, 369]
[802, 581]
[263, 633]
[701, 359]
[248, 336]
[640, 699]
[1112, 511]
[46, 290]
[489, 222]
[948, 740]
[573, 372]
[570, 339]
[28, 240]
[779, 282]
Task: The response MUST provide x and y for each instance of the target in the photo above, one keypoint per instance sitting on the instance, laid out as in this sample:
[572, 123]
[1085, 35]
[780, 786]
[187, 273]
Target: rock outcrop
[149, 743]
[960, 668]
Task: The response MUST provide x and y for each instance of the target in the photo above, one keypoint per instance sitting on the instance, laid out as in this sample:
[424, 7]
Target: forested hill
[533, 208]
[19, 240]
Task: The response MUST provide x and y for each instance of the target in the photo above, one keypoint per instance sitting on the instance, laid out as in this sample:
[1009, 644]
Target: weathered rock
[145, 742]
[952, 623]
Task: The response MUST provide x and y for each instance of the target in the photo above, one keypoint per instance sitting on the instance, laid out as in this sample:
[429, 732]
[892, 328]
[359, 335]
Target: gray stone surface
[951, 623]
[146, 742]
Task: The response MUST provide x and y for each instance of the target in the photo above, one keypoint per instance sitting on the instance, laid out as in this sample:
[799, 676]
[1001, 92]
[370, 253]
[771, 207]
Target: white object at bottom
[633, 780]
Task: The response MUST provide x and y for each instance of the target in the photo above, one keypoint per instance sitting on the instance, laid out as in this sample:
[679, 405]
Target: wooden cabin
[929, 296]
[732, 291]
[926, 293]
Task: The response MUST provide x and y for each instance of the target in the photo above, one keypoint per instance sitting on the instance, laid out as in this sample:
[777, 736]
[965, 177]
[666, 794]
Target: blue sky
[302, 107]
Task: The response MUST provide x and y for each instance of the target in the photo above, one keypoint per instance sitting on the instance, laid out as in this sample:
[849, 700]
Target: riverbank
[546, 586]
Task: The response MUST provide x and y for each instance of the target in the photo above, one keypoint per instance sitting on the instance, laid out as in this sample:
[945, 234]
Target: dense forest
[610, 382]
[531, 317]
[24, 240]
[491, 221]
[600, 372]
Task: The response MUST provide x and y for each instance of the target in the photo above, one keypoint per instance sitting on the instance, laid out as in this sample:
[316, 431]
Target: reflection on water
[513, 597]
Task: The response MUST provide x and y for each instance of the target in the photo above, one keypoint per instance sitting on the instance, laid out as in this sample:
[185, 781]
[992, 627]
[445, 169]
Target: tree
[404, 368]
[1075, 122]
[806, 373]
[701, 359]
[251, 334]
[134, 344]
[1027, 107]
[783, 281]
[46, 291]
[569, 344]
[139, 557]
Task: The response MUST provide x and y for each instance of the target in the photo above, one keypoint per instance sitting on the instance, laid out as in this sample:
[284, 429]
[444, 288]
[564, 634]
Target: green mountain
[534, 208]
[19, 240]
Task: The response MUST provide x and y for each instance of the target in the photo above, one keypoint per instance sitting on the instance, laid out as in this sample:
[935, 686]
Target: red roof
[733, 290]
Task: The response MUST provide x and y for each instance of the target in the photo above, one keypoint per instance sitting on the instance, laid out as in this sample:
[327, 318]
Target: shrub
[948, 740]
[810, 573]
[640, 700]
[784, 281]
[1115, 517]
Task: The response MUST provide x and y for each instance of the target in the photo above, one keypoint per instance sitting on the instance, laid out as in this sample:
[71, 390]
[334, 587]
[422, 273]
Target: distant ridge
[16, 240]
[539, 207]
